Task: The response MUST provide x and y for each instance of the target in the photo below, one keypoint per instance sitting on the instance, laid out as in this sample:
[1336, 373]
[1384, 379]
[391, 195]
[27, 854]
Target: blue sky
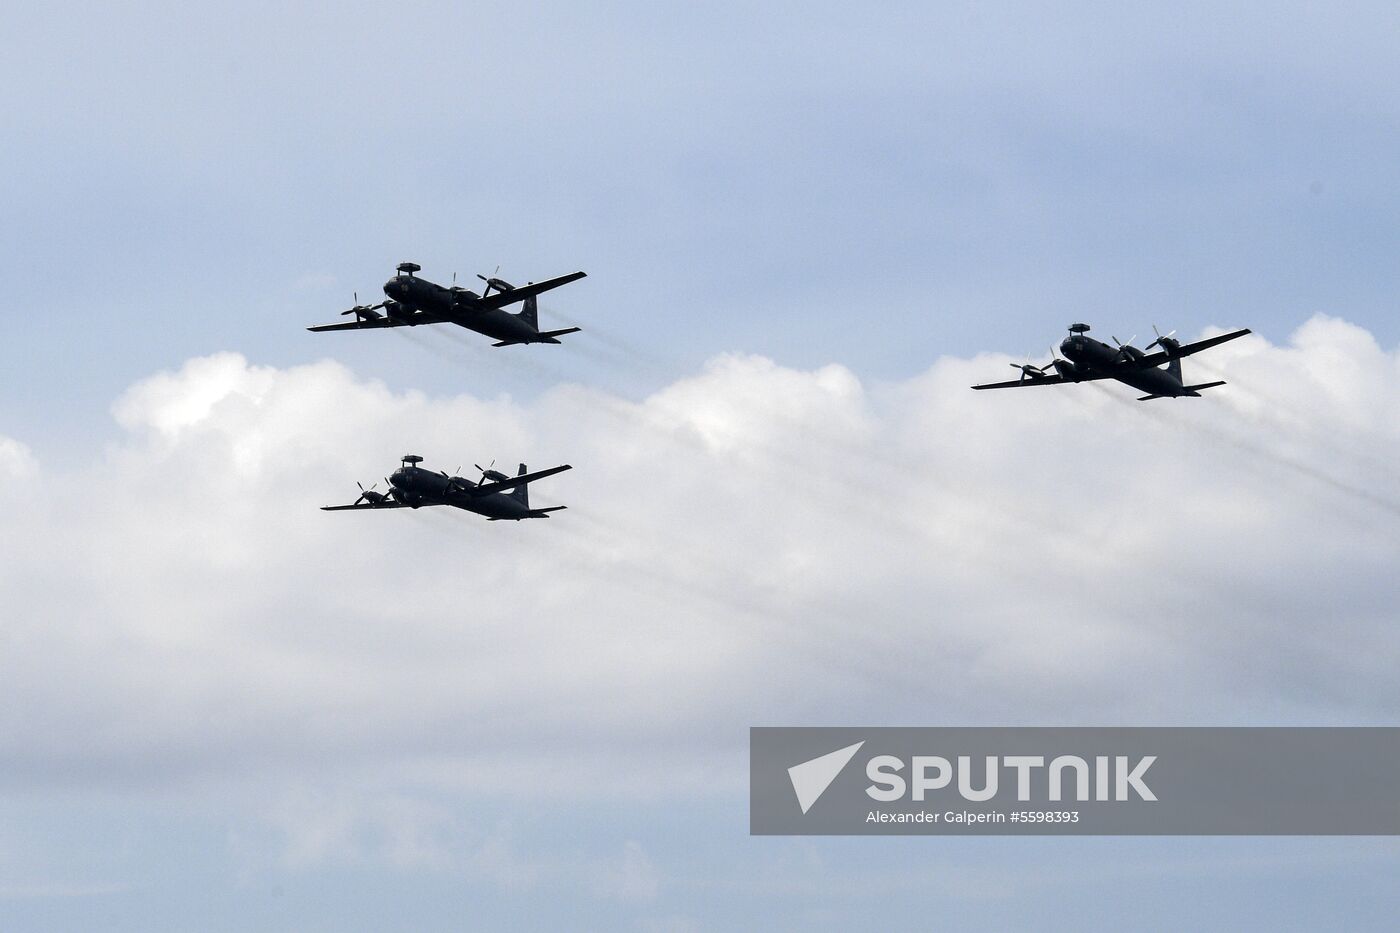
[807, 229]
[874, 187]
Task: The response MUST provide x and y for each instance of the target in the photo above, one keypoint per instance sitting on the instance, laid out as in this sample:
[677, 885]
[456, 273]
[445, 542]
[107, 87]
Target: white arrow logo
[811, 778]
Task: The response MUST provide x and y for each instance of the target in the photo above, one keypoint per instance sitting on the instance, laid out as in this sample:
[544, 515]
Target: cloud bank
[750, 545]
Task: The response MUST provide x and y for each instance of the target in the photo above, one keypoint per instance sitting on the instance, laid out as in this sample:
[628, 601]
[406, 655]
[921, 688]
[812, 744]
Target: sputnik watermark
[1084, 781]
[811, 778]
[933, 772]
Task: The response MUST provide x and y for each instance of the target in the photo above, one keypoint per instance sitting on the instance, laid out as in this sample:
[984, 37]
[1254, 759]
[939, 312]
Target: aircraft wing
[358, 325]
[366, 505]
[1054, 380]
[1161, 356]
[521, 292]
[418, 317]
[1028, 381]
[514, 481]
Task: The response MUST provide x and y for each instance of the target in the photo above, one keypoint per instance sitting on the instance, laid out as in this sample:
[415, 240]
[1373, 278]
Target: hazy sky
[807, 229]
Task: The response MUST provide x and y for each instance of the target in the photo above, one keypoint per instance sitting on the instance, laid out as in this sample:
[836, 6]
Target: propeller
[500, 285]
[1127, 353]
[1161, 337]
[487, 280]
[1030, 370]
[1062, 367]
[369, 495]
[362, 311]
[489, 474]
[453, 483]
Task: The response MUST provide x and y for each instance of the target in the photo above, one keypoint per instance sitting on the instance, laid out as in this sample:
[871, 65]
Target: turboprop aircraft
[412, 487]
[1087, 359]
[412, 301]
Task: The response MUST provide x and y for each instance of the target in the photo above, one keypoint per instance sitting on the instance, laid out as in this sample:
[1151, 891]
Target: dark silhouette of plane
[1087, 359]
[412, 487]
[412, 301]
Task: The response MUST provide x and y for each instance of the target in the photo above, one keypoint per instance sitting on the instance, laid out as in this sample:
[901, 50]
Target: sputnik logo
[811, 778]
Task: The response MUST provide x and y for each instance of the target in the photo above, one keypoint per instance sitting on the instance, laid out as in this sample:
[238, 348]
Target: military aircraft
[1088, 359]
[412, 301]
[411, 486]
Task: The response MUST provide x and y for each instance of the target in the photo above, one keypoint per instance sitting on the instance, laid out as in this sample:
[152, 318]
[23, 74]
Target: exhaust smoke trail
[1325, 428]
[1259, 451]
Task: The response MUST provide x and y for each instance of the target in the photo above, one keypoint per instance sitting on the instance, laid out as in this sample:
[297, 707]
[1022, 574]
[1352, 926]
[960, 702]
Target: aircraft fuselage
[1094, 357]
[415, 294]
[414, 486]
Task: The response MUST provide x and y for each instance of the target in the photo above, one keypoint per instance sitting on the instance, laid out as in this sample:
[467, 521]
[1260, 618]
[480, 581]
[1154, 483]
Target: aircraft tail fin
[1174, 368]
[521, 493]
[530, 312]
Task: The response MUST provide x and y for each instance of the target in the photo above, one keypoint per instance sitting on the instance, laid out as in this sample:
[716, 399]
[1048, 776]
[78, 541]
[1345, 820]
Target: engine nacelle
[1068, 370]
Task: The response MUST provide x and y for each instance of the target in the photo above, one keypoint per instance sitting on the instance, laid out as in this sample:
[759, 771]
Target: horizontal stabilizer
[1144, 398]
[1204, 385]
[549, 335]
[533, 513]
[546, 337]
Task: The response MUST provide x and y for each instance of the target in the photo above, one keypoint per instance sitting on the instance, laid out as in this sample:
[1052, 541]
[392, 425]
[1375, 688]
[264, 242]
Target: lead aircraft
[412, 487]
[411, 301]
[1087, 359]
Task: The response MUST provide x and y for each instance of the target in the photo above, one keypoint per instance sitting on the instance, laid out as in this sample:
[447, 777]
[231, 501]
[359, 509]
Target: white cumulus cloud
[751, 544]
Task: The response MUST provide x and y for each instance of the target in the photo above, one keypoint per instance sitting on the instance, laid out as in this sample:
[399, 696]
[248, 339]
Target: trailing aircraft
[1087, 359]
[496, 495]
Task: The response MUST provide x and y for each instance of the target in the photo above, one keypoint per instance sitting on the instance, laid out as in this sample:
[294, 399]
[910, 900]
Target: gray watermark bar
[1074, 781]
